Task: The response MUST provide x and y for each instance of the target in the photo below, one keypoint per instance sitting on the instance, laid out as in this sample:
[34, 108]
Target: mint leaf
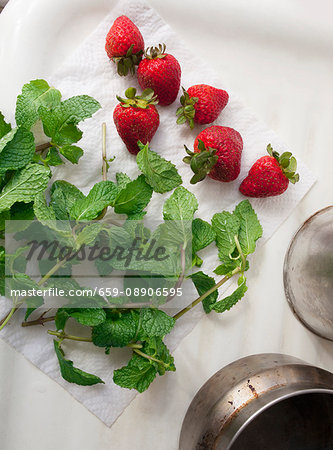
[202, 236]
[4, 126]
[101, 195]
[88, 235]
[34, 94]
[71, 152]
[155, 322]
[122, 180]
[228, 302]
[63, 197]
[250, 228]
[226, 268]
[138, 374]
[60, 122]
[22, 282]
[25, 185]
[134, 197]
[203, 283]
[156, 348]
[161, 174]
[226, 226]
[71, 373]
[85, 316]
[178, 212]
[117, 331]
[46, 215]
[18, 151]
[53, 158]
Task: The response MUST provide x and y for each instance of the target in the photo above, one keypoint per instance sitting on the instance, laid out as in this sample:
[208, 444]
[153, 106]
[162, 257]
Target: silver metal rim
[288, 292]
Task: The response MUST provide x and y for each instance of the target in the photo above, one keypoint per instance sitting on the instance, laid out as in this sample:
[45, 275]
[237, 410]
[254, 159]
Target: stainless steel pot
[266, 401]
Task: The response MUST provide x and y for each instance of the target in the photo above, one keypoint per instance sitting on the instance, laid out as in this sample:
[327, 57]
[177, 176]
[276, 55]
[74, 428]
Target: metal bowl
[267, 401]
[308, 273]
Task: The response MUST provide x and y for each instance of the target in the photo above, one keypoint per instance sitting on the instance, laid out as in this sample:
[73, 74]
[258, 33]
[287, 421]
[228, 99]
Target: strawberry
[136, 118]
[217, 153]
[270, 175]
[124, 45]
[161, 72]
[201, 104]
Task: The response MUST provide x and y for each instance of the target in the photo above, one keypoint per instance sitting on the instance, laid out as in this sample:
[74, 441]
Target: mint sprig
[25, 172]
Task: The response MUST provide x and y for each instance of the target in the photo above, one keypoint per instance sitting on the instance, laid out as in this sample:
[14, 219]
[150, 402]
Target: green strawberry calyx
[287, 162]
[142, 101]
[186, 112]
[126, 64]
[155, 52]
[201, 163]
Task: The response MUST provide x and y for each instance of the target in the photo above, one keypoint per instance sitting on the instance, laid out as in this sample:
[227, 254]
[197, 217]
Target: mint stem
[40, 321]
[239, 248]
[151, 358]
[104, 166]
[61, 335]
[57, 266]
[206, 294]
[5, 320]
[42, 147]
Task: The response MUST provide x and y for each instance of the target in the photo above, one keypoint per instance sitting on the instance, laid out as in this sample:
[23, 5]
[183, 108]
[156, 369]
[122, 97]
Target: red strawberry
[270, 175]
[161, 72]
[217, 153]
[136, 118]
[201, 104]
[124, 45]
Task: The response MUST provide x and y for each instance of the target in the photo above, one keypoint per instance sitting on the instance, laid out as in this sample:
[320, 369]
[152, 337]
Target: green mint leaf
[134, 197]
[178, 212]
[161, 174]
[17, 149]
[203, 283]
[35, 94]
[250, 228]
[117, 331]
[60, 122]
[53, 158]
[24, 186]
[4, 126]
[89, 317]
[71, 152]
[100, 196]
[71, 373]
[181, 205]
[63, 197]
[4, 215]
[228, 302]
[226, 226]
[138, 374]
[122, 180]
[89, 234]
[202, 236]
[226, 268]
[155, 322]
[23, 283]
[46, 215]
[156, 348]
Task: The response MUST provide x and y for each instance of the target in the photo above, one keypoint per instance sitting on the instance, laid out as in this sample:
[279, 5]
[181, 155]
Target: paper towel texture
[88, 71]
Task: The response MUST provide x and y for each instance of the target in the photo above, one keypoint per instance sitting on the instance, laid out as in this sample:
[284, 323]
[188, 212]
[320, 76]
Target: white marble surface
[277, 57]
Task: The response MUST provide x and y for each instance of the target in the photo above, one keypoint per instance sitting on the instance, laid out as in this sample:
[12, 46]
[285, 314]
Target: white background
[275, 54]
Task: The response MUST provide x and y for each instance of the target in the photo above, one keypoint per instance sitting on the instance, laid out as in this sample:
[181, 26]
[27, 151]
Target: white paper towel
[89, 71]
